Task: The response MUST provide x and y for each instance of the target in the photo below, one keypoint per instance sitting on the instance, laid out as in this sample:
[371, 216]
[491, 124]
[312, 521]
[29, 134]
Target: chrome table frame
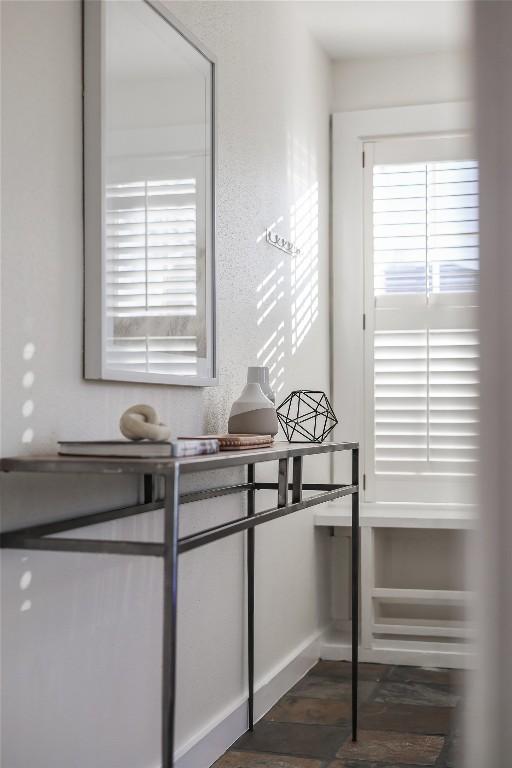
[39, 537]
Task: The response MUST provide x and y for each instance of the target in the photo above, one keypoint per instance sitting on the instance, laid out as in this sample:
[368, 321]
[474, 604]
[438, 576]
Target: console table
[170, 470]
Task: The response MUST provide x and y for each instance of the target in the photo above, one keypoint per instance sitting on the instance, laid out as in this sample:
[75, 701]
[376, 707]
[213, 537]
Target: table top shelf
[155, 466]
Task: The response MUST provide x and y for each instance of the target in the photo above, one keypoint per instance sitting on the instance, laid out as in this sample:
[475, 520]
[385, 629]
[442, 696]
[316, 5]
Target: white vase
[253, 413]
[259, 374]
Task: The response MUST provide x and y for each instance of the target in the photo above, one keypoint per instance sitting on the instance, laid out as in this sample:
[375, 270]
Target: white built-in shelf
[335, 645]
[424, 596]
[396, 515]
[424, 628]
[402, 623]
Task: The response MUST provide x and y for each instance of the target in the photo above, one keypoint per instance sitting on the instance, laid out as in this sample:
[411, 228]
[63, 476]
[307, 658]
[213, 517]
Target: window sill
[402, 515]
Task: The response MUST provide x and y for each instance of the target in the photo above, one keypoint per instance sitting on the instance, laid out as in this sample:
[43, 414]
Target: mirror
[149, 197]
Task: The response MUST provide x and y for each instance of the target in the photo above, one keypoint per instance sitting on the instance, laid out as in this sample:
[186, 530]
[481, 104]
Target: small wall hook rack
[282, 243]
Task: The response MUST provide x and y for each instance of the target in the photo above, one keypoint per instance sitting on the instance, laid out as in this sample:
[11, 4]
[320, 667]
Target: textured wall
[82, 633]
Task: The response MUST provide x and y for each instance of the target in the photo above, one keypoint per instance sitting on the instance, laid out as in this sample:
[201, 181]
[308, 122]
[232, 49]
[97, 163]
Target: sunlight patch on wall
[271, 354]
[25, 579]
[270, 292]
[269, 296]
[27, 381]
[24, 583]
[28, 351]
[304, 266]
[271, 226]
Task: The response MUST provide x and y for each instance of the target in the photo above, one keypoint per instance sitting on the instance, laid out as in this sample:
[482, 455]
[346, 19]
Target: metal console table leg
[251, 508]
[171, 512]
[296, 487]
[355, 588]
[148, 489]
[297, 479]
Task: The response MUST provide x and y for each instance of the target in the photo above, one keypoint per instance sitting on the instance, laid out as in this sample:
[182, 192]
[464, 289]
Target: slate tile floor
[408, 718]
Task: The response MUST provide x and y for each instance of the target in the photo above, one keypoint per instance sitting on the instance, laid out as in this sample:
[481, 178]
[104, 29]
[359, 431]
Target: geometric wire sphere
[306, 415]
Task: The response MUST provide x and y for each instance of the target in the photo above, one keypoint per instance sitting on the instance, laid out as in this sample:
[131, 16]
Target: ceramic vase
[259, 374]
[253, 413]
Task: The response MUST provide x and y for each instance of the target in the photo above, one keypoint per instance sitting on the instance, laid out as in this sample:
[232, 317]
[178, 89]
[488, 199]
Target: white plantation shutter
[400, 397]
[453, 398]
[426, 401]
[151, 280]
[422, 341]
[425, 235]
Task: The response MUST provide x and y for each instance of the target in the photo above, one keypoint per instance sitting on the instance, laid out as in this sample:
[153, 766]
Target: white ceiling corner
[349, 29]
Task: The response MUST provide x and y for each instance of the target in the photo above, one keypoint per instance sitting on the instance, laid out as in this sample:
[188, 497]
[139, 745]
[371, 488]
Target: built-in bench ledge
[414, 605]
[402, 515]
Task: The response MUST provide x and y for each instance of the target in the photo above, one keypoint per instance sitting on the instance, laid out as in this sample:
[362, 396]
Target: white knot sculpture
[140, 422]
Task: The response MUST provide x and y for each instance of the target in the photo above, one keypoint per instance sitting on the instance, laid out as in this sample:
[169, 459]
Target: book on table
[140, 449]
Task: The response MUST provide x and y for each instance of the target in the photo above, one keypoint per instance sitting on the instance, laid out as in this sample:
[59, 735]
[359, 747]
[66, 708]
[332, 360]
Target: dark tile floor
[408, 717]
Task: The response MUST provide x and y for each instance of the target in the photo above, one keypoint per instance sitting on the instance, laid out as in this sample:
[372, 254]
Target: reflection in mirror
[154, 287]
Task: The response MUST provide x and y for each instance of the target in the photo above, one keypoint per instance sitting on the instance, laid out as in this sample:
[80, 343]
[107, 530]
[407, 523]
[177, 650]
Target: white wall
[399, 81]
[81, 634]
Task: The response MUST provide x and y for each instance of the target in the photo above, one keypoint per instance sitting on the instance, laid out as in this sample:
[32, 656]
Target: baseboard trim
[211, 741]
[334, 647]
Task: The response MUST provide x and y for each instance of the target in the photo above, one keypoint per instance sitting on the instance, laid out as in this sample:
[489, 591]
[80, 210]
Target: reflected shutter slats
[151, 275]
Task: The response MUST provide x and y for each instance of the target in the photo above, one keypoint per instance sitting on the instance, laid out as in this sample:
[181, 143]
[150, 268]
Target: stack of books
[152, 449]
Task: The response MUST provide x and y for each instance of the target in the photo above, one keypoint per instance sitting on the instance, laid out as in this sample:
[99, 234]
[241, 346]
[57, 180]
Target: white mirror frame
[94, 362]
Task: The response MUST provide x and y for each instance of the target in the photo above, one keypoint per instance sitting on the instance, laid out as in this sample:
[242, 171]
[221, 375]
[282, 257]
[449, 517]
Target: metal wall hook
[282, 243]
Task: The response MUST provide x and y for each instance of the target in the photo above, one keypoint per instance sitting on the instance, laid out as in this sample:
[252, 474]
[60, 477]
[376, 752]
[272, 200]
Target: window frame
[395, 151]
[350, 131]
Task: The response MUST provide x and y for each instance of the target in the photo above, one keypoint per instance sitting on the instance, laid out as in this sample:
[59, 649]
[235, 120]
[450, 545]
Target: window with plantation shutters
[422, 346]
[151, 280]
